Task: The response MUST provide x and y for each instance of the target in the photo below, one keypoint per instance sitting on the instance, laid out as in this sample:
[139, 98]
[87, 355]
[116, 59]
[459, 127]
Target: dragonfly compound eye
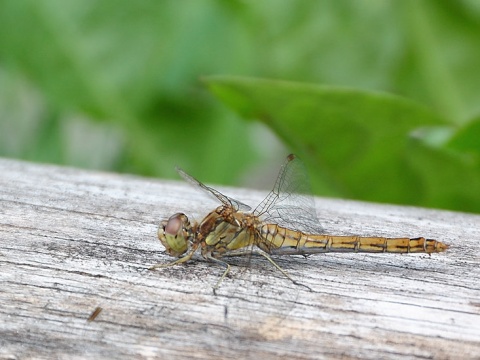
[175, 234]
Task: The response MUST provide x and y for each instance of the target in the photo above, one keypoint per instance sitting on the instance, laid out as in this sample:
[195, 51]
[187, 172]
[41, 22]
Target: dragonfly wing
[224, 199]
[290, 203]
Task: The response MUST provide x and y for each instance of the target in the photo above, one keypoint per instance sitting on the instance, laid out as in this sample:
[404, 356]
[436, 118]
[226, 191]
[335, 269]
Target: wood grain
[72, 240]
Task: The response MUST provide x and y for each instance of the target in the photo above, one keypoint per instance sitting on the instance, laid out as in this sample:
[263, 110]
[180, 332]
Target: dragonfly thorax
[176, 234]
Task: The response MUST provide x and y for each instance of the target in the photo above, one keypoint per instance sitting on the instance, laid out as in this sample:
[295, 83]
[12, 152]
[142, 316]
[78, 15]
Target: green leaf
[448, 179]
[357, 143]
[467, 138]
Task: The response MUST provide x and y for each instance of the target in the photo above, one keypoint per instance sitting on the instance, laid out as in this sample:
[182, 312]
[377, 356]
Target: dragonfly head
[176, 234]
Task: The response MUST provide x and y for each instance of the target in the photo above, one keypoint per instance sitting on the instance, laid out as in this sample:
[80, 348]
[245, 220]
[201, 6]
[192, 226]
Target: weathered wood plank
[72, 240]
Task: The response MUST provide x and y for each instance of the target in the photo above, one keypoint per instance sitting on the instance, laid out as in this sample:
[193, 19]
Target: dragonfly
[284, 223]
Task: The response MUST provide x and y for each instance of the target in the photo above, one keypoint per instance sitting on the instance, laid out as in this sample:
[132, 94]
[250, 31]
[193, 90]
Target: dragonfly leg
[225, 273]
[266, 256]
[178, 261]
[242, 252]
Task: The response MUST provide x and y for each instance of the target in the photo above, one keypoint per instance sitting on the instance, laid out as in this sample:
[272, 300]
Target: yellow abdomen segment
[279, 240]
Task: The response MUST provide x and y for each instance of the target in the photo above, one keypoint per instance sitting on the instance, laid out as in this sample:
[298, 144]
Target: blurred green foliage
[394, 116]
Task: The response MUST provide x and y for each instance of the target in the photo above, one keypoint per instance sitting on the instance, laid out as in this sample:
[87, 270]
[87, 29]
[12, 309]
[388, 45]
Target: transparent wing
[228, 201]
[290, 203]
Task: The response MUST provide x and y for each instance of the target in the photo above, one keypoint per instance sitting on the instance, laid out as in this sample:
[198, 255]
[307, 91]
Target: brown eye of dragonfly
[174, 225]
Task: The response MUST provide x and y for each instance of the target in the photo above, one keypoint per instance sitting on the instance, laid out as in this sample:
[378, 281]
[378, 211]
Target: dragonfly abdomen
[374, 244]
[282, 241]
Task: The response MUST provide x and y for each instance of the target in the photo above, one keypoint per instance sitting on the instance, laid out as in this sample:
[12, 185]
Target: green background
[381, 99]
